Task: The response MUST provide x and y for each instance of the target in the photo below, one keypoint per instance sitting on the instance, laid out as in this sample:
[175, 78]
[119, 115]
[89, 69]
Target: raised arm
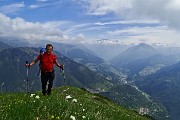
[32, 63]
[57, 64]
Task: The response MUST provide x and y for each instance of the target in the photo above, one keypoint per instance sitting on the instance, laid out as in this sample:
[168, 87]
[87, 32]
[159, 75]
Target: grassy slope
[19, 106]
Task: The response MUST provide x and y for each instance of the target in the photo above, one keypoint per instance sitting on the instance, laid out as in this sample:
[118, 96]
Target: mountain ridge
[134, 53]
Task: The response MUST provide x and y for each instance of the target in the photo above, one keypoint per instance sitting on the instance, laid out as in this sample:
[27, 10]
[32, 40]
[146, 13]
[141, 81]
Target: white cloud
[80, 38]
[165, 11]
[139, 30]
[174, 5]
[39, 5]
[128, 22]
[43, 4]
[149, 35]
[19, 28]
[74, 28]
[58, 24]
[34, 6]
[12, 8]
[102, 7]
[157, 9]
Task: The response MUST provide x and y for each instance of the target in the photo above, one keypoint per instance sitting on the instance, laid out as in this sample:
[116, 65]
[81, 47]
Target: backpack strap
[40, 62]
[41, 57]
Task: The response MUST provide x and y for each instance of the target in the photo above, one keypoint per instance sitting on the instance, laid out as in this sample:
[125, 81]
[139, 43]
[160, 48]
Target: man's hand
[62, 67]
[28, 65]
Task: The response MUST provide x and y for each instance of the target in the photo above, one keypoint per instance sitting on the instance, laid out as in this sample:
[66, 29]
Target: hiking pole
[27, 75]
[39, 72]
[1, 88]
[62, 72]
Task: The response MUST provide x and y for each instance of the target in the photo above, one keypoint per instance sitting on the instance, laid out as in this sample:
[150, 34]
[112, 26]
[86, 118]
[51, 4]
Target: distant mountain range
[107, 49]
[15, 42]
[87, 58]
[155, 71]
[164, 85]
[143, 58]
[134, 53]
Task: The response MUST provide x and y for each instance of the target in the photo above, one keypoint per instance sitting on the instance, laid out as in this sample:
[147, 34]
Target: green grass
[20, 106]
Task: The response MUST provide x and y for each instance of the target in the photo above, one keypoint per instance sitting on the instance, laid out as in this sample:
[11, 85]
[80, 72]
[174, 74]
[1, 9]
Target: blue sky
[85, 21]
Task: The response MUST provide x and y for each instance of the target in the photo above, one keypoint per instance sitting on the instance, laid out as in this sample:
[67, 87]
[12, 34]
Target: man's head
[49, 48]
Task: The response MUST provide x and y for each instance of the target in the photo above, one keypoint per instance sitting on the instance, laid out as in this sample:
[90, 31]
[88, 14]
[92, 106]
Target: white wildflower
[64, 91]
[68, 97]
[32, 95]
[74, 100]
[37, 118]
[72, 117]
[83, 117]
[83, 110]
[37, 97]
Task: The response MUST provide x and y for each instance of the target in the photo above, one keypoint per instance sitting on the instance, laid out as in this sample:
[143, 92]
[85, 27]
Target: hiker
[47, 61]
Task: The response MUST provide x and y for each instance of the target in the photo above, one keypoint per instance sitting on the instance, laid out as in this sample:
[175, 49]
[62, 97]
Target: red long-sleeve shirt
[47, 61]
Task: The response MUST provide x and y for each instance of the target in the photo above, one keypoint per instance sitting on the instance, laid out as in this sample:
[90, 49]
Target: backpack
[42, 50]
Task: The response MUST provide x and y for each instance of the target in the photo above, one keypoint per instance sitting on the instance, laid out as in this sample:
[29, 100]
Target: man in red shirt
[47, 61]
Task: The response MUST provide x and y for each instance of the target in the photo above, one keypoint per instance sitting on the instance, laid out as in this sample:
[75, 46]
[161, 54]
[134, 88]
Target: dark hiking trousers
[47, 77]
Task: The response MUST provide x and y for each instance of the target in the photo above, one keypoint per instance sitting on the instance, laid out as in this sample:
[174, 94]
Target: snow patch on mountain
[107, 41]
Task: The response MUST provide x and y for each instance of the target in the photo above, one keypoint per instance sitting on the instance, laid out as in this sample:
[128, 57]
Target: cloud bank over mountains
[130, 21]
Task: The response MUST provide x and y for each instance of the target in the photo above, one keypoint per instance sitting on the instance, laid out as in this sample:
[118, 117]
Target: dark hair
[49, 45]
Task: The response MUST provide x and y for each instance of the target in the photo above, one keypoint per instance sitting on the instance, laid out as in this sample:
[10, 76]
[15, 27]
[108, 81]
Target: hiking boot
[44, 93]
[48, 92]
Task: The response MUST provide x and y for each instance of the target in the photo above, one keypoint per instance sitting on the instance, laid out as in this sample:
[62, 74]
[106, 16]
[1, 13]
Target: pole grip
[62, 67]
[28, 63]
